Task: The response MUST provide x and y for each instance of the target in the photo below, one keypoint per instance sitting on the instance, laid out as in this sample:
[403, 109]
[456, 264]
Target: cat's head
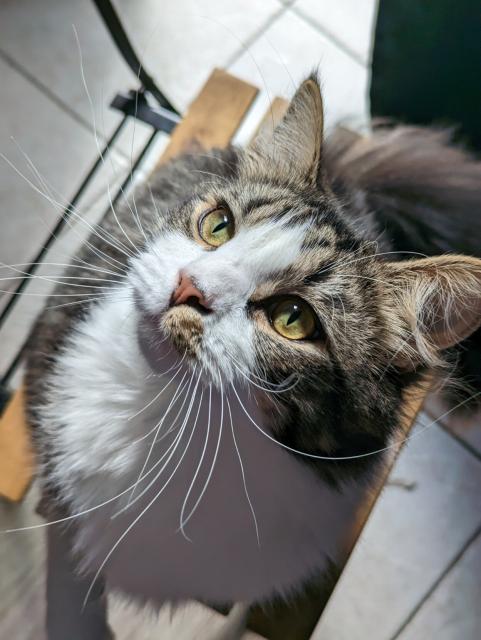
[263, 278]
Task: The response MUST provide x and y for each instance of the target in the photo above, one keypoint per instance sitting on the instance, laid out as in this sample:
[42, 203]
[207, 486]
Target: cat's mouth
[193, 303]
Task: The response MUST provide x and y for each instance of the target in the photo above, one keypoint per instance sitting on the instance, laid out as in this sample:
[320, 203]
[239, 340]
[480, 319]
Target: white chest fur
[237, 545]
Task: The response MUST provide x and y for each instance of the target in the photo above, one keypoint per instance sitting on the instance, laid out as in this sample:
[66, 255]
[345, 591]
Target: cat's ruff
[294, 510]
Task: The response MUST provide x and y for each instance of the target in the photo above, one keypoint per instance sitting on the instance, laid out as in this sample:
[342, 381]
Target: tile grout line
[466, 445]
[248, 42]
[328, 34]
[457, 438]
[472, 538]
[52, 96]
[48, 93]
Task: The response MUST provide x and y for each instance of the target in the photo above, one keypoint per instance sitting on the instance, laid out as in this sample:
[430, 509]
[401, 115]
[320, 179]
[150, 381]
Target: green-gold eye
[216, 227]
[293, 319]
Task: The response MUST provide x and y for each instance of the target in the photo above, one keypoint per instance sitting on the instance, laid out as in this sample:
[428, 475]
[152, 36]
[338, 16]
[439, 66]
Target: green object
[427, 64]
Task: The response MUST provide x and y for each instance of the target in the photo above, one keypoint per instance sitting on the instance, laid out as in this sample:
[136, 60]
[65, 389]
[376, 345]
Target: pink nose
[187, 292]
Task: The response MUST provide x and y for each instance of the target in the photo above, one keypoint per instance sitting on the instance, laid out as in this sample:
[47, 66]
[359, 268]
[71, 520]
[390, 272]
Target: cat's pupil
[295, 315]
[221, 225]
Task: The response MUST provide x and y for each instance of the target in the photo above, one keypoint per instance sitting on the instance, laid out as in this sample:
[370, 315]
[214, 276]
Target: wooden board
[214, 116]
[16, 456]
[211, 121]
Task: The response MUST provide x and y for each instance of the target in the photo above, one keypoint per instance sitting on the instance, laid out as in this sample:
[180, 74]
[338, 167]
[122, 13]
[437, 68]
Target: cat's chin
[157, 349]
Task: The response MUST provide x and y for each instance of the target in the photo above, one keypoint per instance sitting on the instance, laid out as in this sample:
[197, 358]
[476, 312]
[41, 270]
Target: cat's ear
[295, 146]
[437, 300]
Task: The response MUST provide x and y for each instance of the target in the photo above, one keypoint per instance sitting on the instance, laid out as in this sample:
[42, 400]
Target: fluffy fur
[207, 424]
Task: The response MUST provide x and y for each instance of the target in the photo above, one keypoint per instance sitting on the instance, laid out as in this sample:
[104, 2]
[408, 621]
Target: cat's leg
[234, 625]
[66, 615]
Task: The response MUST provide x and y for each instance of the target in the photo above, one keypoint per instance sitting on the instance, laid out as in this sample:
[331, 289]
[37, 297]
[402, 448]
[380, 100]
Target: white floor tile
[180, 42]
[452, 612]
[90, 209]
[59, 148]
[466, 426]
[289, 50]
[421, 521]
[349, 22]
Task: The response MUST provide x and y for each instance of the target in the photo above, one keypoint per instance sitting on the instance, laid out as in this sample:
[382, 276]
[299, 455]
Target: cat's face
[261, 280]
[288, 291]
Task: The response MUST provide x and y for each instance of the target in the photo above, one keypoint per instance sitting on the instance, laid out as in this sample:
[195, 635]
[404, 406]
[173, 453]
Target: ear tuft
[295, 147]
[439, 299]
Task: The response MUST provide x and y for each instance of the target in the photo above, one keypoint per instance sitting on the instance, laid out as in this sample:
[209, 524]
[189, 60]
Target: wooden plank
[16, 456]
[211, 121]
[214, 116]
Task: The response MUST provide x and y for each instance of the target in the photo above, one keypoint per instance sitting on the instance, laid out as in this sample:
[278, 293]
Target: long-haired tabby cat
[209, 407]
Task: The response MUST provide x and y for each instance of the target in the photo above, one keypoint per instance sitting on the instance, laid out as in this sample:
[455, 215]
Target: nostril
[188, 293]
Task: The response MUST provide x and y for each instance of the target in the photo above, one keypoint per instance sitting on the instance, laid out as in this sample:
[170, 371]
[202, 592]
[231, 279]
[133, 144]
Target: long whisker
[92, 110]
[75, 211]
[126, 532]
[210, 173]
[154, 204]
[114, 171]
[149, 404]
[254, 61]
[84, 301]
[86, 511]
[65, 279]
[349, 261]
[60, 264]
[180, 388]
[60, 279]
[211, 471]
[244, 482]
[355, 457]
[196, 473]
[273, 385]
[171, 449]
[152, 445]
[361, 277]
[101, 254]
[274, 391]
[54, 295]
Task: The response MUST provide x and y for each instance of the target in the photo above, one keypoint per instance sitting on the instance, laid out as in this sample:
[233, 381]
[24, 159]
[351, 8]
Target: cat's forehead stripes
[265, 248]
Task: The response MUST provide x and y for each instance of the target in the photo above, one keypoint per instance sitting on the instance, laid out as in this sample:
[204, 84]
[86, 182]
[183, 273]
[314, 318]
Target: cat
[213, 404]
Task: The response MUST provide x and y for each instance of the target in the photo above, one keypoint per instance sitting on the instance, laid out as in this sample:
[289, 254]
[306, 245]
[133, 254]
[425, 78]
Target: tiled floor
[415, 574]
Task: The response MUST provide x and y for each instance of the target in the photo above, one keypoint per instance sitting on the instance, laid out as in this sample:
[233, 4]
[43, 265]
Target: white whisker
[173, 446]
[149, 404]
[154, 440]
[244, 482]
[126, 532]
[274, 391]
[92, 110]
[184, 521]
[75, 211]
[356, 457]
[196, 473]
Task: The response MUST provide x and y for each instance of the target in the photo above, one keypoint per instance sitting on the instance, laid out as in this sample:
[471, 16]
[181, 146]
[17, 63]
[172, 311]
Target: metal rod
[15, 362]
[67, 213]
[119, 36]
